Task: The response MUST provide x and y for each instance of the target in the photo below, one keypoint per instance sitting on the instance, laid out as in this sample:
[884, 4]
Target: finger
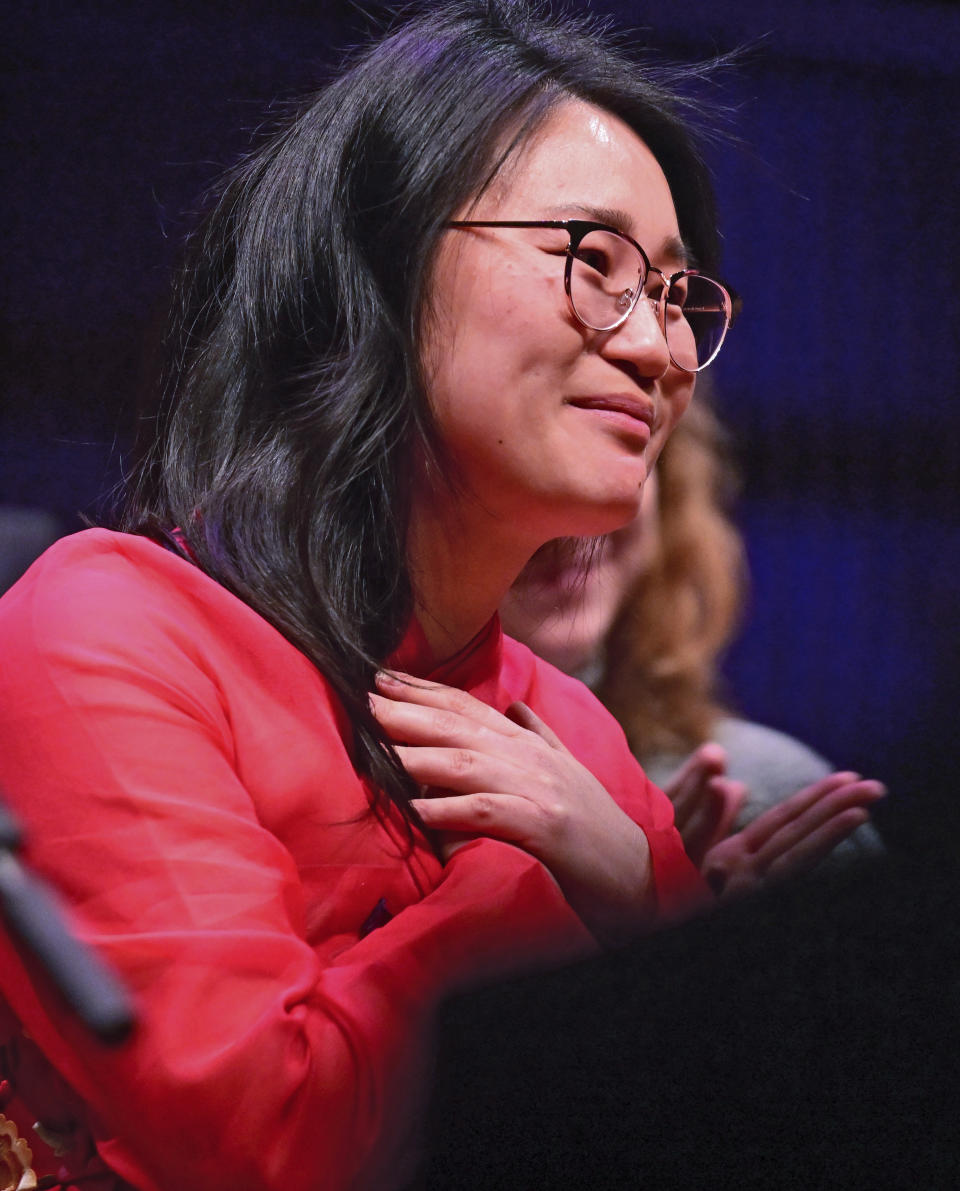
[405, 690]
[500, 816]
[712, 817]
[733, 795]
[854, 796]
[415, 724]
[686, 788]
[818, 844]
[700, 829]
[756, 834]
[710, 757]
[464, 770]
[522, 715]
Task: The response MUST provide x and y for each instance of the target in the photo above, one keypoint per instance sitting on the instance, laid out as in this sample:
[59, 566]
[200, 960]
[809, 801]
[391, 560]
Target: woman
[269, 741]
[644, 626]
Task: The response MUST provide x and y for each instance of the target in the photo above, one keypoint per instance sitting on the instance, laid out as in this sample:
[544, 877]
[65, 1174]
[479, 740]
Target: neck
[461, 566]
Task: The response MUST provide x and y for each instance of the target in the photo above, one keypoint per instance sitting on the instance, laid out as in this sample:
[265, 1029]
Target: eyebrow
[673, 248]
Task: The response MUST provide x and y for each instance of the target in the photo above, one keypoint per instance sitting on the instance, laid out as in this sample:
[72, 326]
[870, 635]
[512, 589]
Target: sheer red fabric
[184, 776]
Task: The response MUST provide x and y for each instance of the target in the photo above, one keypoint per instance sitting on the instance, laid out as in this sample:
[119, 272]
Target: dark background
[839, 207]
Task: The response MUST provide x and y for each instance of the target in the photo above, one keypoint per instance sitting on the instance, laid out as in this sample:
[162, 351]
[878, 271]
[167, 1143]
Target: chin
[615, 514]
[619, 502]
[592, 525]
[567, 512]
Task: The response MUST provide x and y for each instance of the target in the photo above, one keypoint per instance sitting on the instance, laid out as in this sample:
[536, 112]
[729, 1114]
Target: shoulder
[85, 587]
[752, 744]
[93, 578]
[96, 569]
[97, 601]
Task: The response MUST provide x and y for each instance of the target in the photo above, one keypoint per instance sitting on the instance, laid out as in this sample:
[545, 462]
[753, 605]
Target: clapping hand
[791, 837]
[784, 841]
[705, 801]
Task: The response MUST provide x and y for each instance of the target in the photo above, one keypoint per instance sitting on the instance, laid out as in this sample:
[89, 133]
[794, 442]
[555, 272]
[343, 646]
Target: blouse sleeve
[257, 1063]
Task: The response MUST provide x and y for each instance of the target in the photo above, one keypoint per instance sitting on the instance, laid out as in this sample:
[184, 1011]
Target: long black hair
[293, 405]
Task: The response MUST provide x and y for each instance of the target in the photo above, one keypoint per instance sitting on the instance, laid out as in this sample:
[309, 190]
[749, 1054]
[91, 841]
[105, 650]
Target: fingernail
[385, 679]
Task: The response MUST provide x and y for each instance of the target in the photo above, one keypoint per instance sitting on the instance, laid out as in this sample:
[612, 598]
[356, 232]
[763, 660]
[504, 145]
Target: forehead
[584, 160]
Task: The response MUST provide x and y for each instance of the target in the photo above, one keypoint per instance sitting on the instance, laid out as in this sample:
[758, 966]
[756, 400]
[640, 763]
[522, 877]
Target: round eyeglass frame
[577, 229]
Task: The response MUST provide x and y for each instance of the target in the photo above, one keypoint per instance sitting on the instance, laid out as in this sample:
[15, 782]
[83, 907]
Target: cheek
[496, 352]
[676, 400]
[683, 394]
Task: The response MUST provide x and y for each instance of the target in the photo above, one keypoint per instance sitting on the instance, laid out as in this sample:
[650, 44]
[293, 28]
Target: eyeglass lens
[606, 273]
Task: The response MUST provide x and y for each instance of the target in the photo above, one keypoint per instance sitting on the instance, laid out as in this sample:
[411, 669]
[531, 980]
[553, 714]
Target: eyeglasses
[606, 275]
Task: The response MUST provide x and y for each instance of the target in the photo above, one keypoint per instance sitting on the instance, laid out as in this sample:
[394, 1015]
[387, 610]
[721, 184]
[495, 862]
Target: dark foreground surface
[804, 1039]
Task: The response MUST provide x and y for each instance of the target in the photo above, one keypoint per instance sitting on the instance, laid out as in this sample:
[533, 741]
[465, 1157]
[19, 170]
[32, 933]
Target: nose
[640, 341]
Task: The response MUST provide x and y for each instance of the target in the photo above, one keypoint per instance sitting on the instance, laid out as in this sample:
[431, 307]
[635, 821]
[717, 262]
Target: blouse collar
[476, 665]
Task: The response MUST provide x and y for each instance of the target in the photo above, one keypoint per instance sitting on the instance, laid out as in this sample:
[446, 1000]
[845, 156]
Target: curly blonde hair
[661, 677]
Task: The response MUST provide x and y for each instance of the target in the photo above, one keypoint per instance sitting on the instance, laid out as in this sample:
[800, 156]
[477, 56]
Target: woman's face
[552, 426]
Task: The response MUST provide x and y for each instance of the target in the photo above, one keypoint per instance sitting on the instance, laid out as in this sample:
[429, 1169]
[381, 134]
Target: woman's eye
[594, 259]
[677, 295]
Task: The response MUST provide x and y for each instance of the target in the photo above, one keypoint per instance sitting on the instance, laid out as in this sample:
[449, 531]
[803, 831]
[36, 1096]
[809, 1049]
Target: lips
[627, 410]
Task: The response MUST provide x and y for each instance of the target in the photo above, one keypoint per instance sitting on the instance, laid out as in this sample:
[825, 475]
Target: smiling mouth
[626, 411]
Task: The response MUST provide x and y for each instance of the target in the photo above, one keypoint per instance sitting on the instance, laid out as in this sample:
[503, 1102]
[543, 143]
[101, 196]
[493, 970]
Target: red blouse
[184, 776]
